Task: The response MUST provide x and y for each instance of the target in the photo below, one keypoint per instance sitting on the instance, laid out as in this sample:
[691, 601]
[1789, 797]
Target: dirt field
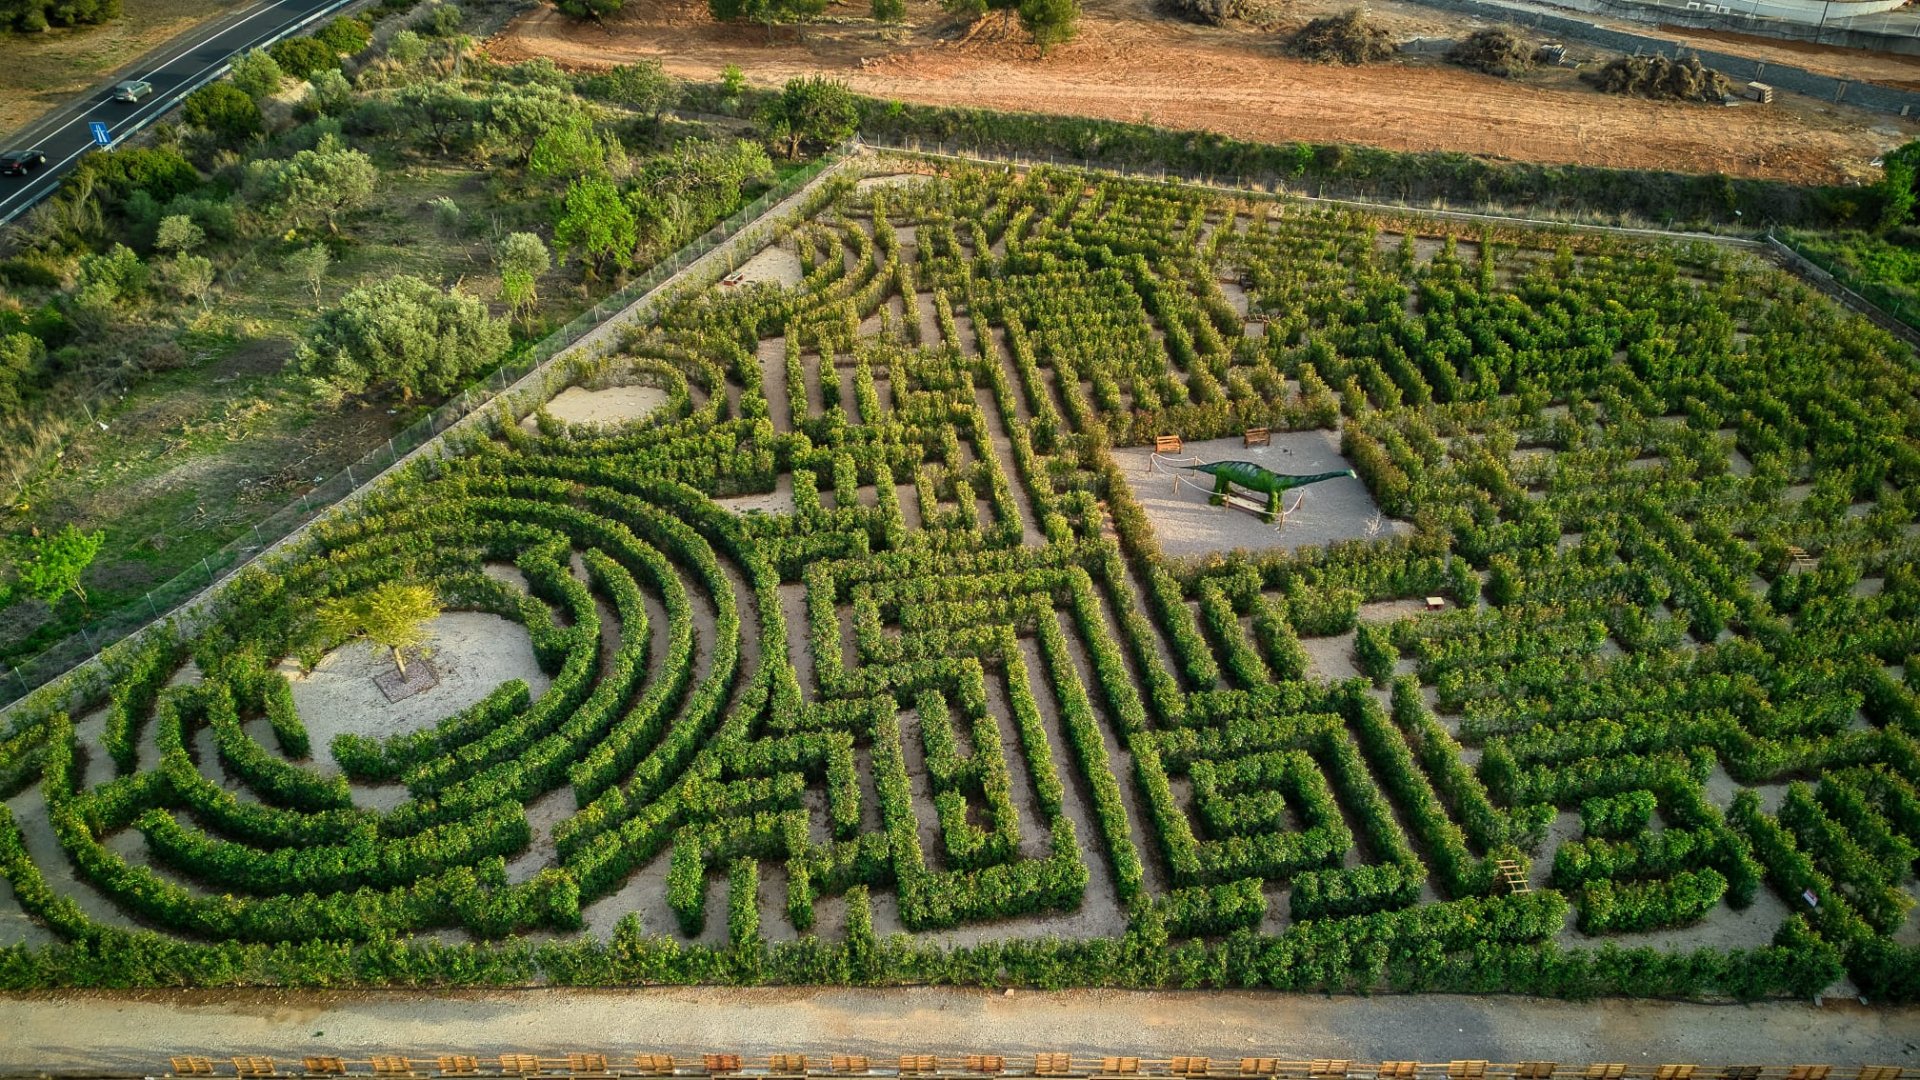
[687, 1020]
[1129, 64]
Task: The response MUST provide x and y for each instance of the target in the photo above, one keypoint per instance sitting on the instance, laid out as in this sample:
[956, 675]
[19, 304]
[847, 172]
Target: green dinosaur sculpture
[1258, 478]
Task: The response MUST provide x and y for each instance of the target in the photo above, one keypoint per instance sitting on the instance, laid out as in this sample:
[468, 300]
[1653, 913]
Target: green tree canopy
[588, 9]
[316, 185]
[595, 222]
[1051, 22]
[768, 13]
[257, 74]
[523, 257]
[642, 85]
[225, 111]
[345, 34]
[402, 334]
[393, 616]
[815, 111]
[302, 56]
[568, 151]
[49, 567]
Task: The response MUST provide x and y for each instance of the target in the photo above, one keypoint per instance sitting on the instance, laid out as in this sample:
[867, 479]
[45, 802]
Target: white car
[132, 90]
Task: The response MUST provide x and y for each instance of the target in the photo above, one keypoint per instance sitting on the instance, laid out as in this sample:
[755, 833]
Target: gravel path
[74, 1032]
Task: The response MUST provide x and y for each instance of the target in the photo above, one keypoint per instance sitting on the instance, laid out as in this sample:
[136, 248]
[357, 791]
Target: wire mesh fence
[168, 598]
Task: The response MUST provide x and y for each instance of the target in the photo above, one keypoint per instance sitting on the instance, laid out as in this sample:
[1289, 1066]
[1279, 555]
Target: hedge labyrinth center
[846, 624]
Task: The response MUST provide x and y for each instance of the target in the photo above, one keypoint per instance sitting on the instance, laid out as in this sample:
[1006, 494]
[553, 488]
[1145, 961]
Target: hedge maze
[863, 664]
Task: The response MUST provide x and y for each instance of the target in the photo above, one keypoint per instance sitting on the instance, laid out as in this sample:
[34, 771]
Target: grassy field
[41, 71]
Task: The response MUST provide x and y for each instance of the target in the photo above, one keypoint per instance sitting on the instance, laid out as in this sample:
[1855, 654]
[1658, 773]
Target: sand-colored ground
[614, 405]
[773, 264]
[884, 1023]
[1188, 525]
[1129, 64]
[471, 652]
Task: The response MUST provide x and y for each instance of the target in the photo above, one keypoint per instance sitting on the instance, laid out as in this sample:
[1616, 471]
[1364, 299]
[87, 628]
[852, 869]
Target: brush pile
[1495, 51]
[1663, 79]
[1347, 38]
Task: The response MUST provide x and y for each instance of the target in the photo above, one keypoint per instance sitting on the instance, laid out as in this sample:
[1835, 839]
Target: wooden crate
[1168, 444]
[1258, 436]
[188, 1065]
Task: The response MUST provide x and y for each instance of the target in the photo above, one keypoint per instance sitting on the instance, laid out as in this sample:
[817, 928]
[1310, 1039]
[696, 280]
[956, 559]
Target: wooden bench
[1168, 444]
[1258, 436]
[1436, 603]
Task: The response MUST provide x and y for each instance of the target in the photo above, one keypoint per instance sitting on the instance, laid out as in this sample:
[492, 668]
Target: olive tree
[812, 111]
[523, 257]
[315, 186]
[401, 334]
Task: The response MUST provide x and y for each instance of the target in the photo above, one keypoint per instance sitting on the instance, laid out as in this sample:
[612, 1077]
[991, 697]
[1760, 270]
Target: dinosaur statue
[1258, 478]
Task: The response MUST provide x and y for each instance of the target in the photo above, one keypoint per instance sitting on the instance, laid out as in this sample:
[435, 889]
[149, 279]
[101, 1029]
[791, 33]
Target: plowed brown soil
[1128, 64]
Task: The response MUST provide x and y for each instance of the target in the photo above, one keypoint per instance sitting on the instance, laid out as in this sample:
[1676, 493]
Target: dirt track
[141, 1031]
[1128, 64]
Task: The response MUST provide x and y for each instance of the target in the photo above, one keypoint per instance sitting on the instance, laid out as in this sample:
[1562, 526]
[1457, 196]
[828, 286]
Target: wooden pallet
[1515, 877]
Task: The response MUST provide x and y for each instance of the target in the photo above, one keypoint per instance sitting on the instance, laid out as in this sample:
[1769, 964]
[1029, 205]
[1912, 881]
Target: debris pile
[1347, 38]
[1495, 51]
[1663, 79]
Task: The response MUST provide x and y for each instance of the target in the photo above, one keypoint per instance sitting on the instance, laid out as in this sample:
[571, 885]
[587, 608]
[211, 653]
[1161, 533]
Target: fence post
[208, 567]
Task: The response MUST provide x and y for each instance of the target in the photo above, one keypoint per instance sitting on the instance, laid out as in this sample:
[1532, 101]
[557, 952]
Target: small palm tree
[393, 616]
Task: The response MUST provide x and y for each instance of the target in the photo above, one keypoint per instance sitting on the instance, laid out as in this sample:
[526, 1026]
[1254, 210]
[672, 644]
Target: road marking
[262, 5]
[142, 115]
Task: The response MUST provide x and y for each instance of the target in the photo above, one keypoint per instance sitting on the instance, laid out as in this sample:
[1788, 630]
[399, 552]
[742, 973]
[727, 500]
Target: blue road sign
[100, 135]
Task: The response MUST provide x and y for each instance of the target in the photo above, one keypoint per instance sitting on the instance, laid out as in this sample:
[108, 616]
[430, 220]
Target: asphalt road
[175, 70]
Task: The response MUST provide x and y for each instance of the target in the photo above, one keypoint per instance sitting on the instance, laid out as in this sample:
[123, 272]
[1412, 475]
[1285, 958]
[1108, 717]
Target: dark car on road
[21, 162]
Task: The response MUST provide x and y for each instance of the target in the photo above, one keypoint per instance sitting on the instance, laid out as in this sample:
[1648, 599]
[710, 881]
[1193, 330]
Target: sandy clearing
[771, 265]
[1187, 525]
[473, 652]
[777, 501]
[892, 180]
[1130, 65]
[614, 405]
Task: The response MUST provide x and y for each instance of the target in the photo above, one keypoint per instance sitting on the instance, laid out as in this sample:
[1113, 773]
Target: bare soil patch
[473, 652]
[1130, 64]
[614, 405]
[775, 265]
